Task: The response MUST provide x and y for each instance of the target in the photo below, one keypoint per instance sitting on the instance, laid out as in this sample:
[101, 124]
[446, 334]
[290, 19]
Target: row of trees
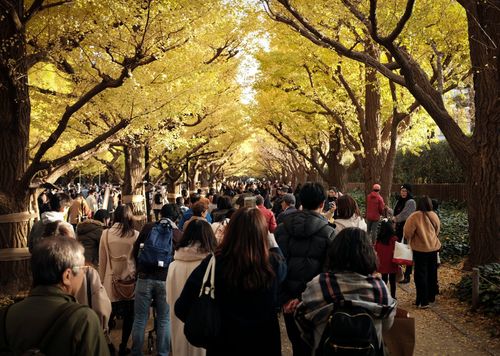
[149, 89]
[91, 82]
[360, 85]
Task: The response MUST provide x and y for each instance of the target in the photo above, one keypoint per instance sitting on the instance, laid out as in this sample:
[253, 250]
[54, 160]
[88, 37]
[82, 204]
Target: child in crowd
[384, 246]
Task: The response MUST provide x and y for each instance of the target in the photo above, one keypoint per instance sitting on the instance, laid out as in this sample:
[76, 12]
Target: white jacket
[353, 221]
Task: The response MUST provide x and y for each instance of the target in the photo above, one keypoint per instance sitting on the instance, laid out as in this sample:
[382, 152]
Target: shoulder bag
[123, 289]
[203, 322]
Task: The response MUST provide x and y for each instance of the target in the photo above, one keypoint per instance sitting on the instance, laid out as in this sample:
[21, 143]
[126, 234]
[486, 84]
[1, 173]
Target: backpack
[350, 330]
[157, 250]
[158, 198]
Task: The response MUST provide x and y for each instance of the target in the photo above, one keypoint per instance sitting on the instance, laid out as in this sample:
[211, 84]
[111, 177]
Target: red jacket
[271, 220]
[374, 206]
[385, 253]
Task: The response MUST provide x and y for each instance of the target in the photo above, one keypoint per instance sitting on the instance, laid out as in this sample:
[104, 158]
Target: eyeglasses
[84, 268]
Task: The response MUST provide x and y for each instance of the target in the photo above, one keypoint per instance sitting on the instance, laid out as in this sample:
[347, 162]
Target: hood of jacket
[51, 216]
[304, 224]
[353, 221]
[89, 225]
[190, 253]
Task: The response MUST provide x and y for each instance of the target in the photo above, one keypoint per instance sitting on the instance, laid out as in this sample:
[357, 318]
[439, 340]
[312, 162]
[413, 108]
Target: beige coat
[120, 254]
[186, 259]
[99, 298]
[422, 231]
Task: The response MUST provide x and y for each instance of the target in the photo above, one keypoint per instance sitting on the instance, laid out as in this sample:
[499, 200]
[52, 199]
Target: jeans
[148, 290]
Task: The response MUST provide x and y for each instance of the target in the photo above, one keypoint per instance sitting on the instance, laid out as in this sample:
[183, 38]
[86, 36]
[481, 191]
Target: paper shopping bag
[400, 339]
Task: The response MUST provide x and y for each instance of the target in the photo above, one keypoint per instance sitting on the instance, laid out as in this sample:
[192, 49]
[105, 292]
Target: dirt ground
[447, 328]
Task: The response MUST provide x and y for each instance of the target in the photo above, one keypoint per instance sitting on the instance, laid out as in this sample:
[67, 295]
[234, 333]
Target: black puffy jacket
[89, 233]
[304, 238]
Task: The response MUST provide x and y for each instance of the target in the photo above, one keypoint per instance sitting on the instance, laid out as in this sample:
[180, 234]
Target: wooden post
[475, 288]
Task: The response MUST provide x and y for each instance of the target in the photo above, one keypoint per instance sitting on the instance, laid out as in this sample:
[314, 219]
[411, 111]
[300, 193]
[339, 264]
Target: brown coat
[422, 231]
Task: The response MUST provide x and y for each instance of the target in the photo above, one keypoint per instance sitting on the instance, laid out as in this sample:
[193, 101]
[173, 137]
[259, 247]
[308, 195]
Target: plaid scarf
[326, 289]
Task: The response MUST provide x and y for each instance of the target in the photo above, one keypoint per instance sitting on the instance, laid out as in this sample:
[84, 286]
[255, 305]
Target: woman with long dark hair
[249, 267]
[116, 259]
[422, 232]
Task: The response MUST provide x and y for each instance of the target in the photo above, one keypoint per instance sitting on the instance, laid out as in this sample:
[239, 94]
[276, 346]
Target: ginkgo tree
[96, 47]
[371, 113]
[394, 26]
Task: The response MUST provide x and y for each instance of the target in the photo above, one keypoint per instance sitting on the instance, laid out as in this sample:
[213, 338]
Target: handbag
[403, 254]
[123, 289]
[202, 327]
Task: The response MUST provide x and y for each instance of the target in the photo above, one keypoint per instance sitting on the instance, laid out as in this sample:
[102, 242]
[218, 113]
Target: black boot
[112, 350]
[406, 280]
[123, 350]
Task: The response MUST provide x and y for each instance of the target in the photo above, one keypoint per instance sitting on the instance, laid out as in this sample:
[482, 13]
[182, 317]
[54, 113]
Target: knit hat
[407, 187]
[376, 187]
[289, 199]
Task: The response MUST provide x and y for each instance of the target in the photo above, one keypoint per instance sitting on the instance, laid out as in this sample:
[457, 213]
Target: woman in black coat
[249, 266]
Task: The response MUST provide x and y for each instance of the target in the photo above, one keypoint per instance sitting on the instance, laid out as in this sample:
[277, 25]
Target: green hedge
[489, 289]
[454, 234]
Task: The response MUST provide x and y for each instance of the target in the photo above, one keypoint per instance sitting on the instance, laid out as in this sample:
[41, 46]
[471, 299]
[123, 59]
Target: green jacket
[29, 320]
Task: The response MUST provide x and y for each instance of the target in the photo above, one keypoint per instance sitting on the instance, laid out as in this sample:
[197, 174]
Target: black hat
[407, 187]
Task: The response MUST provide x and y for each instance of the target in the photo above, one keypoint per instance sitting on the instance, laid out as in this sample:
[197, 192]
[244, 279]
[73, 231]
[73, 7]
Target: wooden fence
[441, 192]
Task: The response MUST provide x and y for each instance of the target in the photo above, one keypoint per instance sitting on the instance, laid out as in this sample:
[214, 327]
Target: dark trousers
[391, 277]
[124, 309]
[299, 346]
[425, 276]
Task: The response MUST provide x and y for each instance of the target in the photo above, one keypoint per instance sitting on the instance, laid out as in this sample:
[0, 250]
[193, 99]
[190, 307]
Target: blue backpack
[157, 250]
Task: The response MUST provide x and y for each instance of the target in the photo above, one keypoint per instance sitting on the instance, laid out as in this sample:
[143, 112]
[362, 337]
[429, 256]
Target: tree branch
[14, 15]
[303, 26]
[38, 6]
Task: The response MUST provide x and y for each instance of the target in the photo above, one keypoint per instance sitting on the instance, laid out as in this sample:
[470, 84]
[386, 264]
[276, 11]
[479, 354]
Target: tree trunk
[14, 136]
[171, 186]
[132, 187]
[482, 172]
[370, 129]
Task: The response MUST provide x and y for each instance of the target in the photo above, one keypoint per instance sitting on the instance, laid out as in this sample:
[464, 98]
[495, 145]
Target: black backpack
[350, 330]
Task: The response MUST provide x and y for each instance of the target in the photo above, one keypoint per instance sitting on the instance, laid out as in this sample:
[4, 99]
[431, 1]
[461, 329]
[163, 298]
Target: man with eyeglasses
[50, 320]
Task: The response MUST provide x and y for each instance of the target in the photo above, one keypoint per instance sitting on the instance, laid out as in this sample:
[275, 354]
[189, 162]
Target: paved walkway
[439, 331]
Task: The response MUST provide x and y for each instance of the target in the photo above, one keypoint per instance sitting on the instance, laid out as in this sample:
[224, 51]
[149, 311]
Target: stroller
[152, 332]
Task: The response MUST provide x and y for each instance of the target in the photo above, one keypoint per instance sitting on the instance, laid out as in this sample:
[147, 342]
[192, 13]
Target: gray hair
[52, 256]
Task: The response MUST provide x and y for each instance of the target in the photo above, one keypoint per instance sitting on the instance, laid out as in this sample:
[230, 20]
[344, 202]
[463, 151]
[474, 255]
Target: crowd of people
[302, 252]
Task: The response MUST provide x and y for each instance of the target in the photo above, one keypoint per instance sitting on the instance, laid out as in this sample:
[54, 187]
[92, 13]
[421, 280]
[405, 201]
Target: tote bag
[203, 323]
[403, 254]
